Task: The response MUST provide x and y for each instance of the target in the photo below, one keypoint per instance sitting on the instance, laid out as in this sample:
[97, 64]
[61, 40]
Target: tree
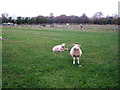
[61, 19]
[51, 15]
[97, 17]
[32, 20]
[10, 19]
[19, 20]
[49, 20]
[109, 20]
[84, 19]
[41, 20]
[26, 20]
[5, 18]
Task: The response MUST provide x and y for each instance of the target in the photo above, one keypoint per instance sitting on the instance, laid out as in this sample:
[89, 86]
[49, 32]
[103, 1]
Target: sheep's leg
[78, 60]
[73, 60]
[61, 50]
[66, 48]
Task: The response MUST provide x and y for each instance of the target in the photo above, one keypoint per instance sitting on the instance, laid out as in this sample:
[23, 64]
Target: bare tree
[5, 17]
[97, 15]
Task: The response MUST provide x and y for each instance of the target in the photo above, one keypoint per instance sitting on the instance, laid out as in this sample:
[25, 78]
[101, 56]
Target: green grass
[28, 61]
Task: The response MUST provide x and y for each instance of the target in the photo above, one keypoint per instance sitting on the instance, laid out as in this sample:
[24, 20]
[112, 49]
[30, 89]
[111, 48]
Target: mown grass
[28, 61]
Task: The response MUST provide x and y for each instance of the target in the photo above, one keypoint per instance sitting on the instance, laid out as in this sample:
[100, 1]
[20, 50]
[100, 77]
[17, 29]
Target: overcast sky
[31, 8]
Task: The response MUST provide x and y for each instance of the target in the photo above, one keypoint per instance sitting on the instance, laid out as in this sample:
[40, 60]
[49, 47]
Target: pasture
[28, 62]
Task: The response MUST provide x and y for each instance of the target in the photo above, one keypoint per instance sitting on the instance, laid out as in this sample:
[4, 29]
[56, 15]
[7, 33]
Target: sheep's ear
[63, 44]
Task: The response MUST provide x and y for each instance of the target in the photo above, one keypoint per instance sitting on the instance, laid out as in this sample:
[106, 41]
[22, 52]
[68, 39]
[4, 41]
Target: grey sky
[31, 8]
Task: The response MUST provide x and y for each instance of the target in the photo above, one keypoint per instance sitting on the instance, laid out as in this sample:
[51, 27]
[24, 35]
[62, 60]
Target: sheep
[76, 52]
[1, 38]
[59, 48]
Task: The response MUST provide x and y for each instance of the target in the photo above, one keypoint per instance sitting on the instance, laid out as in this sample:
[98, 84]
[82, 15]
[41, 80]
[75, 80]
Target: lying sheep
[59, 48]
[76, 52]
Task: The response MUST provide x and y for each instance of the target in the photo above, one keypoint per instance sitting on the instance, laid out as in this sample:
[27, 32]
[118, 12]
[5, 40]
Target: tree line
[62, 19]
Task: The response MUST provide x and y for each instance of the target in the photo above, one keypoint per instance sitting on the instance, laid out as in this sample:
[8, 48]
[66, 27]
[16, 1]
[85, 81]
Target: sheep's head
[63, 45]
[76, 46]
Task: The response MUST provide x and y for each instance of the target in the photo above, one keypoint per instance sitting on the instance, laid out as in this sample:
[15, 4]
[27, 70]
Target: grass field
[28, 62]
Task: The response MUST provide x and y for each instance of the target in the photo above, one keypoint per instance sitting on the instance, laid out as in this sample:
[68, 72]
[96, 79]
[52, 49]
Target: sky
[31, 8]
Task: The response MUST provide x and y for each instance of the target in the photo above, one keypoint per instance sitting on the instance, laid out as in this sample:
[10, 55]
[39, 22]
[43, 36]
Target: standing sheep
[76, 52]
